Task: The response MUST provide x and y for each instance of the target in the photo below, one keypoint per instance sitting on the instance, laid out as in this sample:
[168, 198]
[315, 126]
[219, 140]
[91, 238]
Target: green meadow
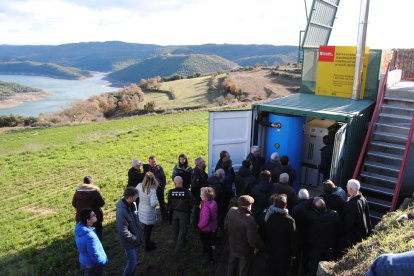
[40, 169]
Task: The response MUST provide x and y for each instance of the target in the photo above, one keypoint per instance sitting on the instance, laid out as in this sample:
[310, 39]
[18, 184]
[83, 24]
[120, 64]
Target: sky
[193, 22]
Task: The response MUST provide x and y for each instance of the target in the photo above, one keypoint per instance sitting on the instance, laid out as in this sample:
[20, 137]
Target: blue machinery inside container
[285, 136]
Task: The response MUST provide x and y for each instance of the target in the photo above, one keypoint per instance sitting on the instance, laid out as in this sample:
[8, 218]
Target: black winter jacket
[159, 174]
[357, 224]
[244, 182]
[280, 237]
[198, 180]
[135, 177]
[180, 199]
[261, 194]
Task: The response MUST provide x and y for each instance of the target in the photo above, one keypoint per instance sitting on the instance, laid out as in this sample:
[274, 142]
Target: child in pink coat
[208, 220]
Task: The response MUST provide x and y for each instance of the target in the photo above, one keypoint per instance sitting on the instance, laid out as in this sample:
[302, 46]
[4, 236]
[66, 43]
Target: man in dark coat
[261, 194]
[333, 201]
[198, 180]
[244, 239]
[287, 168]
[180, 203]
[245, 180]
[224, 155]
[283, 187]
[256, 160]
[273, 166]
[357, 224]
[324, 231]
[326, 157]
[135, 174]
[159, 174]
[229, 177]
[299, 214]
[222, 196]
[279, 237]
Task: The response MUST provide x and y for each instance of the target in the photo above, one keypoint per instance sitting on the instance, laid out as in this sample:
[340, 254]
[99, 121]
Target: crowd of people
[256, 209]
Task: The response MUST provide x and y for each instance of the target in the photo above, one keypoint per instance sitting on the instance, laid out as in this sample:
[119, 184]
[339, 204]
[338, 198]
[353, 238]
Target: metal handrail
[402, 168]
[374, 118]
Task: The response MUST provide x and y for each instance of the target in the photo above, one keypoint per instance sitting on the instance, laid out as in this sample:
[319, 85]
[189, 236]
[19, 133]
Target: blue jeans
[132, 262]
[393, 264]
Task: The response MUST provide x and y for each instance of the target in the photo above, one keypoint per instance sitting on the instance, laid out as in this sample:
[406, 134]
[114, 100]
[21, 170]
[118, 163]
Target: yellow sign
[336, 65]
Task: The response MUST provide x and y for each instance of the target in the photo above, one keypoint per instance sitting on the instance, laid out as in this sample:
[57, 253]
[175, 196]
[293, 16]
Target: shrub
[149, 106]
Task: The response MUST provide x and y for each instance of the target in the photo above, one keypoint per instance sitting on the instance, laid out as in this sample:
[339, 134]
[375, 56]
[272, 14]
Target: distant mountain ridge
[105, 56]
[171, 65]
[42, 69]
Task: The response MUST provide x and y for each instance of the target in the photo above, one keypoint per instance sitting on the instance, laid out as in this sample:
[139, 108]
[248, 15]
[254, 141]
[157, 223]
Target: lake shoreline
[20, 98]
[64, 93]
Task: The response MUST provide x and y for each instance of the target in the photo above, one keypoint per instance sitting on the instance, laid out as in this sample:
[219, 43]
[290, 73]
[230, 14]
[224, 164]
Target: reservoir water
[65, 92]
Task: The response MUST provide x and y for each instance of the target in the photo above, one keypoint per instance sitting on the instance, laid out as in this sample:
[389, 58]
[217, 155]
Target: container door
[230, 131]
[338, 151]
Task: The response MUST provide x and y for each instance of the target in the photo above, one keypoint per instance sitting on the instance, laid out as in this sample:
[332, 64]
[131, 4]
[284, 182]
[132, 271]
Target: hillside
[170, 65]
[105, 56]
[41, 168]
[390, 236]
[262, 84]
[244, 55]
[41, 69]
[193, 92]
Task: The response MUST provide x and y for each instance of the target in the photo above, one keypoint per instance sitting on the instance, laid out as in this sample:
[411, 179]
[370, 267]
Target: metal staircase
[383, 158]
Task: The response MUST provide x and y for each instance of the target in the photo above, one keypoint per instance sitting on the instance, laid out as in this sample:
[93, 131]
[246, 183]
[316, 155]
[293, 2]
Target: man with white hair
[274, 166]
[303, 194]
[283, 187]
[356, 221]
[302, 227]
[256, 160]
[135, 174]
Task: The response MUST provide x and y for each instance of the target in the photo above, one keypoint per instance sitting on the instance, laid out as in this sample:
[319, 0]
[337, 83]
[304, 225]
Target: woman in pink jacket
[208, 220]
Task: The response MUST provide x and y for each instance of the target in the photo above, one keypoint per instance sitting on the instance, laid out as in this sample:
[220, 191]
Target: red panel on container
[326, 53]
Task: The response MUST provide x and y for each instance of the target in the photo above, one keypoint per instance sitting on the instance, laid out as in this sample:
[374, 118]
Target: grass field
[40, 169]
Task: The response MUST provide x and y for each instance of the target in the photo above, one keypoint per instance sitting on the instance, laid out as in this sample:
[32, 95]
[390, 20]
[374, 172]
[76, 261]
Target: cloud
[137, 5]
[169, 22]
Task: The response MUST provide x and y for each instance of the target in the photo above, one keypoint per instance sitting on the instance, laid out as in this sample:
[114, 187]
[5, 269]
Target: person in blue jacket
[92, 256]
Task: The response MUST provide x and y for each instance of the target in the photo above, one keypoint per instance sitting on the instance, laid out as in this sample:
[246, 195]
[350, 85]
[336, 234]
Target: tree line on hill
[42, 69]
[106, 56]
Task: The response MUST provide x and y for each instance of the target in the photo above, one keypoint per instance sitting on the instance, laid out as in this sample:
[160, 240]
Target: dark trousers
[180, 221]
[98, 229]
[147, 235]
[277, 266]
[239, 266]
[301, 263]
[315, 256]
[196, 212]
[161, 201]
[92, 271]
[207, 241]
